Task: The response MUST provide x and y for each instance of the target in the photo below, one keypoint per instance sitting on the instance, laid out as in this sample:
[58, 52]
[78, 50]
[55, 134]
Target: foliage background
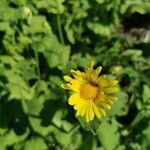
[41, 40]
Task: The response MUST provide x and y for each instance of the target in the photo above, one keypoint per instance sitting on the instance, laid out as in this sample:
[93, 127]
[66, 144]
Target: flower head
[92, 94]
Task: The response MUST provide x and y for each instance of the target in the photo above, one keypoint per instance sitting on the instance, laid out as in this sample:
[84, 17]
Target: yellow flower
[92, 94]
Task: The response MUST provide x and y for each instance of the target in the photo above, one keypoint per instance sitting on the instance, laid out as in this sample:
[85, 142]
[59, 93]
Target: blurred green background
[41, 40]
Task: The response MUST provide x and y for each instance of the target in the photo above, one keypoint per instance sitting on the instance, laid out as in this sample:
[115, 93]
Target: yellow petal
[105, 105]
[87, 113]
[111, 90]
[90, 70]
[78, 105]
[98, 70]
[114, 82]
[91, 113]
[67, 78]
[75, 85]
[77, 74]
[102, 112]
[92, 65]
[107, 100]
[113, 98]
[66, 86]
[96, 111]
[110, 99]
[74, 99]
[105, 82]
[82, 109]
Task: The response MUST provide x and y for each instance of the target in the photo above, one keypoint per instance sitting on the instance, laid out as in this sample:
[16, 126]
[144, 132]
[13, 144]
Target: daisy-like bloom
[92, 94]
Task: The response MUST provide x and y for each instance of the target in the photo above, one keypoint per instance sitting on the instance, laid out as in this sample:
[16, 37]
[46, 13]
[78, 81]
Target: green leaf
[18, 146]
[69, 31]
[19, 2]
[24, 40]
[35, 106]
[55, 80]
[11, 138]
[100, 1]
[35, 143]
[36, 125]
[5, 26]
[88, 142]
[57, 120]
[92, 126]
[18, 88]
[58, 58]
[64, 139]
[52, 6]
[9, 14]
[146, 94]
[139, 6]
[146, 138]
[37, 24]
[132, 54]
[101, 29]
[108, 135]
[119, 107]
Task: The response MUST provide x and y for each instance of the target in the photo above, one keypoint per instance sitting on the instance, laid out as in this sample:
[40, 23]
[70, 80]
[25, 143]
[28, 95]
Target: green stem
[137, 119]
[38, 66]
[24, 106]
[60, 29]
[75, 129]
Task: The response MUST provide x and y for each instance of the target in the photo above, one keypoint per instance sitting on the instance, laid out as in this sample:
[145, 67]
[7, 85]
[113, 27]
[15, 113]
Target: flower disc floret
[88, 91]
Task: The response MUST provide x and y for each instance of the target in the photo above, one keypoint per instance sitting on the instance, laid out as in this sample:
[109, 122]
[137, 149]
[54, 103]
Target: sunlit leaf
[108, 135]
